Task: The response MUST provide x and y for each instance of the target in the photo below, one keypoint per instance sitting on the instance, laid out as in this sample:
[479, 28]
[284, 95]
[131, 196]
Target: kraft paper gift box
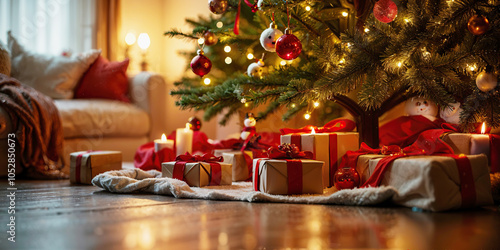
[272, 176]
[198, 174]
[85, 165]
[469, 144]
[326, 147]
[434, 182]
[241, 170]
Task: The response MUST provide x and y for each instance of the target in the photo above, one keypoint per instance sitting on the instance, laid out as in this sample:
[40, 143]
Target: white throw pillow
[54, 76]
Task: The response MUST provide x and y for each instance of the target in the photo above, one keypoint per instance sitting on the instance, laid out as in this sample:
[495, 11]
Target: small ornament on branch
[385, 11]
[194, 123]
[210, 38]
[288, 46]
[218, 6]
[269, 36]
[249, 129]
[478, 25]
[487, 80]
[200, 64]
[257, 69]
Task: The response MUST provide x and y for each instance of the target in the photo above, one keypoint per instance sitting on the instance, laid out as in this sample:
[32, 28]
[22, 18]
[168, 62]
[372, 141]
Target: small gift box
[287, 176]
[241, 163]
[85, 165]
[325, 144]
[436, 183]
[199, 171]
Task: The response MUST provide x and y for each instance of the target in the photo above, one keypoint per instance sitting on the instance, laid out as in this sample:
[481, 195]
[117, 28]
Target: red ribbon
[236, 28]
[294, 176]
[78, 165]
[337, 125]
[215, 174]
[256, 176]
[332, 139]
[495, 153]
[247, 140]
[467, 186]
[277, 152]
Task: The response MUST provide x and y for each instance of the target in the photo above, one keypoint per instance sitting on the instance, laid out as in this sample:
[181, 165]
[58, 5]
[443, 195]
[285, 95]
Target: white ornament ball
[421, 106]
[451, 114]
[256, 69]
[269, 36]
[486, 81]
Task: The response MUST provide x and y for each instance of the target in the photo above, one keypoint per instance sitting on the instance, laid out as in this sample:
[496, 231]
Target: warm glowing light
[312, 131]
[246, 104]
[345, 14]
[250, 56]
[367, 30]
[207, 81]
[307, 116]
[219, 24]
[188, 127]
[308, 8]
[407, 20]
[163, 138]
[201, 40]
[227, 48]
[130, 39]
[472, 67]
[283, 62]
[143, 41]
[342, 61]
[400, 64]
[483, 128]
[228, 60]
[316, 104]
[293, 105]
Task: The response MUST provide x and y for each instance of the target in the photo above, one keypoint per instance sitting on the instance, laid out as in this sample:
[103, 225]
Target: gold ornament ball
[218, 6]
[210, 38]
[486, 81]
[478, 25]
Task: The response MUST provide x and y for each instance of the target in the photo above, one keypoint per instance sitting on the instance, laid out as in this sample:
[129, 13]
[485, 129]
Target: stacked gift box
[85, 165]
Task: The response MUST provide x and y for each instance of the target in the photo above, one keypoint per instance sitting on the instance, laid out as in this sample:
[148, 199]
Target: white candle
[480, 143]
[163, 143]
[184, 140]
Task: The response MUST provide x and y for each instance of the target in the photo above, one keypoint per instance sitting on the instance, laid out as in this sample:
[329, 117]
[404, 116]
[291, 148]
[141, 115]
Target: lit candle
[163, 143]
[480, 143]
[184, 140]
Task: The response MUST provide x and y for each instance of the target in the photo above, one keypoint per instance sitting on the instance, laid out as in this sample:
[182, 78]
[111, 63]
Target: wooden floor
[57, 215]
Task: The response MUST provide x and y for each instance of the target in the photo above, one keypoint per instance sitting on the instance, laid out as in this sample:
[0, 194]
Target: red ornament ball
[288, 46]
[194, 123]
[385, 11]
[346, 178]
[200, 64]
[218, 6]
[210, 38]
[478, 25]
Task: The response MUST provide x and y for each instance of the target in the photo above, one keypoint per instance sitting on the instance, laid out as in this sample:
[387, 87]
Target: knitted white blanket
[136, 180]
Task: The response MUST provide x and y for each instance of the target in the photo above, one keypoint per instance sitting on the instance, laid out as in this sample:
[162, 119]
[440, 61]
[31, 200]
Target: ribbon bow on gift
[337, 125]
[288, 151]
[196, 158]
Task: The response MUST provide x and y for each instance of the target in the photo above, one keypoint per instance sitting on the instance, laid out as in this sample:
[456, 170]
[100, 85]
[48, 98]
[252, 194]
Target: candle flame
[188, 127]
[163, 138]
[483, 128]
[312, 131]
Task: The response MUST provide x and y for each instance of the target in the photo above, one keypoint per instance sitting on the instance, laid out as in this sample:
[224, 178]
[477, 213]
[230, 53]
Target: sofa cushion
[102, 118]
[54, 76]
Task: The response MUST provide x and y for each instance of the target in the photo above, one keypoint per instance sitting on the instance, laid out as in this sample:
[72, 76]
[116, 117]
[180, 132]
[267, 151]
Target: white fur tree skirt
[136, 180]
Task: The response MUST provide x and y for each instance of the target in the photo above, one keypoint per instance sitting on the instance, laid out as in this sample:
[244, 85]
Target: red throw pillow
[106, 80]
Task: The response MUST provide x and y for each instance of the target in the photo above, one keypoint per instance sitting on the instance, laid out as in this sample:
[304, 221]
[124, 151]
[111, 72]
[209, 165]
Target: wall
[155, 17]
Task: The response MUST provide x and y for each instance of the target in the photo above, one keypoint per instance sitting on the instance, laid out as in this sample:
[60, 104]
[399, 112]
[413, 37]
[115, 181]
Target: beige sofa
[98, 124]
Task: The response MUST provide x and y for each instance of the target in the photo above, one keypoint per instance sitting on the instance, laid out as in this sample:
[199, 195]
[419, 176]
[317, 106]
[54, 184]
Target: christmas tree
[367, 56]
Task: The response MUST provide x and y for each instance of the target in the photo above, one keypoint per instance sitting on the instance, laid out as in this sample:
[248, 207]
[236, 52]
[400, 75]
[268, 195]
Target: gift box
[85, 165]
[287, 176]
[242, 170]
[435, 183]
[326, 147]
[198, 174]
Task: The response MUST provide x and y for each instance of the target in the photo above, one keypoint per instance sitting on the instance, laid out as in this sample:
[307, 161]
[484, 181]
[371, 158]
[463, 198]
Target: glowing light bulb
[367, 30]
[293, 105]
[316, 104]
[308, 8]
[307, 116]
[143, 41]
[228, 60]
[227, 48]
[400, 64]
[246, 104]
[472, 67]
[407, 20]
[250, 56]
[345, 14]
[207, 81]
[219, 24]
[130, 39]
[283, 62]
[201, 40]
[342, 61]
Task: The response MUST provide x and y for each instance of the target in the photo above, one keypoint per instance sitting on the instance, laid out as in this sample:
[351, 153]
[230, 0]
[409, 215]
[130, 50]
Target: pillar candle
[184, 140]
[163, 143]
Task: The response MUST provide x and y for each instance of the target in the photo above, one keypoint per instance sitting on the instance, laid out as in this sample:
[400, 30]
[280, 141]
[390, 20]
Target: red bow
[337, 125]
[288, 151]
[196, 158]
